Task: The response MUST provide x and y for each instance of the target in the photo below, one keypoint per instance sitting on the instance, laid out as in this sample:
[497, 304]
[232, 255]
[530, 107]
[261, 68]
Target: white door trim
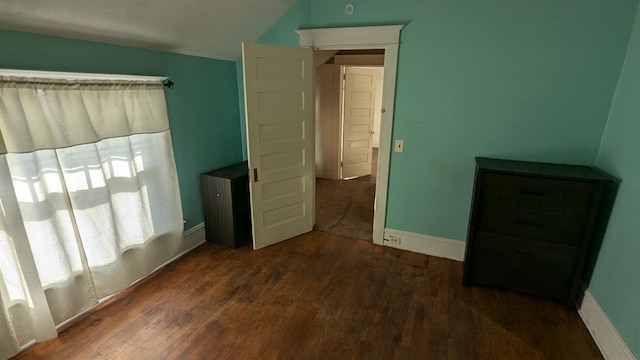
[369, 37]
[361, 37]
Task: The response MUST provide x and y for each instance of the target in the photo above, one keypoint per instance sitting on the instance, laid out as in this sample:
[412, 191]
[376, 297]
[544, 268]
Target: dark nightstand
[225, 198]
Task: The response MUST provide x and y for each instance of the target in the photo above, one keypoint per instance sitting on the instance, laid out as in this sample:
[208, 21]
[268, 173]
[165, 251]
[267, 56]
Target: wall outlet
[393, 240]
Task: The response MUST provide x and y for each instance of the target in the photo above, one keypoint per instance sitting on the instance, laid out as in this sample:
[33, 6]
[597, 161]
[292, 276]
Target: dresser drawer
[536, 193]
[556, 227]
[545, 209]
[523, 265]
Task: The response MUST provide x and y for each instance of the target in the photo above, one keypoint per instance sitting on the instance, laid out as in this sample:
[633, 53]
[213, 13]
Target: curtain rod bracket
[169, 84]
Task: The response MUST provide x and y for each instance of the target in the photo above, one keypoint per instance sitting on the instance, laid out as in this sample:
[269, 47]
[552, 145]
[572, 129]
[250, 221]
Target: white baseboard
[425, 244]
[192, 238]
[611, 345]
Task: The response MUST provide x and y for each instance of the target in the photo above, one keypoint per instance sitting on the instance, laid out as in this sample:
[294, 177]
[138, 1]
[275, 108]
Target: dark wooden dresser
[225, 198]
[531, 226]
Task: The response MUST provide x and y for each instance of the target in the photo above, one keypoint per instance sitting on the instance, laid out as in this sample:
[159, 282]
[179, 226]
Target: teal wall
[202, 108]
[527, 80]
[614, 282]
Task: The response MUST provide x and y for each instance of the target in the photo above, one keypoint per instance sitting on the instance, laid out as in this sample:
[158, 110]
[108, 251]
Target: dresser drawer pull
[524, 253]
[527, 223]
[531, 193]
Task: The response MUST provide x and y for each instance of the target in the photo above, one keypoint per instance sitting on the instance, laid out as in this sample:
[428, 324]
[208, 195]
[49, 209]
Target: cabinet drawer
[556, 227]
[543, 194]
[537, 208]
[523, 265]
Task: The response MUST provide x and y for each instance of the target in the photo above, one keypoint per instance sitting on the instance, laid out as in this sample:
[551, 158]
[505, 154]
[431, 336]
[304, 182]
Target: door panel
[359, 107]
[278, 85]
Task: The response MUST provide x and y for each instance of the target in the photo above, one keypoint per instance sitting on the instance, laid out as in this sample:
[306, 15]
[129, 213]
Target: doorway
[283, 102]
[385, 37]
[348, 92]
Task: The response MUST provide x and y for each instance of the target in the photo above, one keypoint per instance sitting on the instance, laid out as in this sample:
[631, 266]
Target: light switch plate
[399, 146]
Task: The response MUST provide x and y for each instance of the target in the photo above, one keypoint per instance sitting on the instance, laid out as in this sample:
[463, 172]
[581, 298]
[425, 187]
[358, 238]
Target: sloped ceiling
[208, 28]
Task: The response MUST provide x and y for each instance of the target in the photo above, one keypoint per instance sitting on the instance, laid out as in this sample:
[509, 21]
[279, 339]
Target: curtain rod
[77, 76]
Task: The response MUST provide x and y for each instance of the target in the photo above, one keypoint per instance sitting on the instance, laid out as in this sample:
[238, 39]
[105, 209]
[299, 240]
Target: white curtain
[89, 198]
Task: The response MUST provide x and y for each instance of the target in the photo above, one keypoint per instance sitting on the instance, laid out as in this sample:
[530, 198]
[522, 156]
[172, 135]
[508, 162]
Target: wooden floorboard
[318, 296]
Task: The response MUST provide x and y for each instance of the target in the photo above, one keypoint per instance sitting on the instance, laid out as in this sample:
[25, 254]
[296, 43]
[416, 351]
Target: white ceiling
[209, 28]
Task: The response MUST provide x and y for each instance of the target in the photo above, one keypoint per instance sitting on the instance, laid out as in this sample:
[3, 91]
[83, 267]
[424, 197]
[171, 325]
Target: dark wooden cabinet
[225, 198]
[531, 226]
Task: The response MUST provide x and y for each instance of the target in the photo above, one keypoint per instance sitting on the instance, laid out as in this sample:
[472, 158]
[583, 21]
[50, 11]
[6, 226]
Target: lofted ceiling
[208, 28]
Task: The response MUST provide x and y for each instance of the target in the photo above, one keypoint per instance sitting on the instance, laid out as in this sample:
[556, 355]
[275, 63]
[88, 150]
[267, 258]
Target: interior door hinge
[255, 175]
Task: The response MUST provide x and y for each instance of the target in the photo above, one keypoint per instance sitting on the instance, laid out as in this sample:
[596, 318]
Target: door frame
[369, 37]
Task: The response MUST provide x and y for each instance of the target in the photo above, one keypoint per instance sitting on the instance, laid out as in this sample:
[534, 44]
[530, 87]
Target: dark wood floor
[318, 296]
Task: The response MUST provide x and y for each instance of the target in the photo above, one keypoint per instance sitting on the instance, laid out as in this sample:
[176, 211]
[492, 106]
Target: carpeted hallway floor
[345, 207]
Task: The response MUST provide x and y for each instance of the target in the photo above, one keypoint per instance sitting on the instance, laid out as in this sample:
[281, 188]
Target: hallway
[345, 207]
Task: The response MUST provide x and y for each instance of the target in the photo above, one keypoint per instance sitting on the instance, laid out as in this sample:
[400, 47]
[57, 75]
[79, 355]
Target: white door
[357, 136]
[279, 105]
